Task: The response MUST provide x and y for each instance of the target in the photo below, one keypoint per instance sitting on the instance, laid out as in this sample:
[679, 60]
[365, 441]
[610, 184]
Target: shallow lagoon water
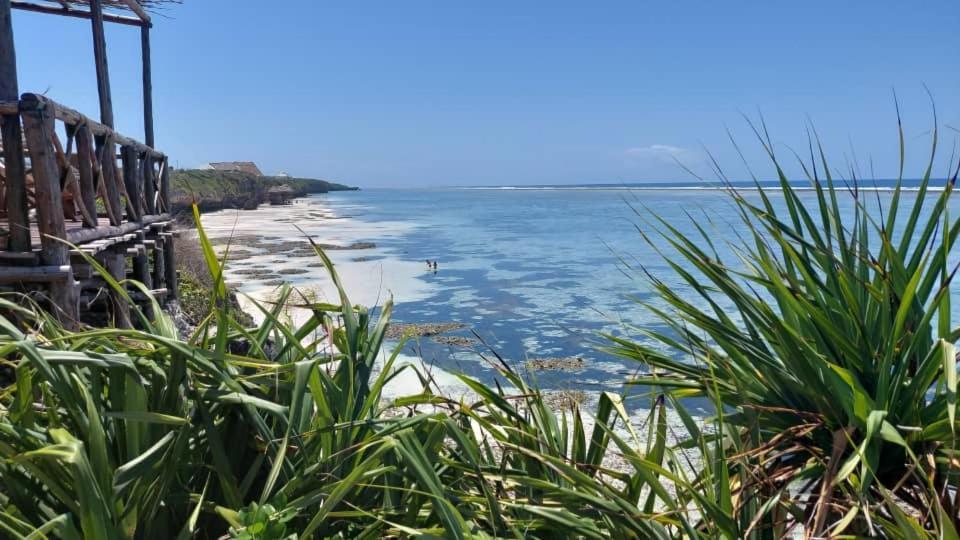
[535, 273]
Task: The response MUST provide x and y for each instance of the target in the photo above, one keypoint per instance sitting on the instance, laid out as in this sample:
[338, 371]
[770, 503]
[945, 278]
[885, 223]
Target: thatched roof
[149, 5]
[116, 11]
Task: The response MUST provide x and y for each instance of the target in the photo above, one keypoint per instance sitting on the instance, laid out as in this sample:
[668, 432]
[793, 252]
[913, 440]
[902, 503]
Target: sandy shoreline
[369, 275]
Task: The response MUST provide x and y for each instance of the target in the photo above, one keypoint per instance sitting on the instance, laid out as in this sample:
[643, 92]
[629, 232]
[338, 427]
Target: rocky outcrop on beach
[405, 330]
[456, 341]
[218, 190]
[554, 364]
[299, 247]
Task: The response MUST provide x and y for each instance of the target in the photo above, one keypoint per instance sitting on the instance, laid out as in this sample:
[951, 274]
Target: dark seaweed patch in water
[456, 341]
[256, 273]
[400, 330]
[292, 271]
[543, 364]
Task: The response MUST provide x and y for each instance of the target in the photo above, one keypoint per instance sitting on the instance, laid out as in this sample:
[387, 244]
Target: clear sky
[421, 93]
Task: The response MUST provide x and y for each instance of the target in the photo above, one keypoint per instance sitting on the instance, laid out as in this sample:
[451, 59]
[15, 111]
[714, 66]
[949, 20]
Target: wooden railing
[81, 195]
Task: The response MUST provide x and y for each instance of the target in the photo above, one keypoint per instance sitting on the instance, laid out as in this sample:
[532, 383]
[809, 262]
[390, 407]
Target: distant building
[248, 167]
[280, 195]
[282, 174]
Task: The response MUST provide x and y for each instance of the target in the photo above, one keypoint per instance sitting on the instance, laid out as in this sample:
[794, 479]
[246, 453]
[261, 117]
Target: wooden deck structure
[100, 194]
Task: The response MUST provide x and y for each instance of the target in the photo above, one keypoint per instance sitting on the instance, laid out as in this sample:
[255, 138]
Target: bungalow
[248, 167]
[280, 195]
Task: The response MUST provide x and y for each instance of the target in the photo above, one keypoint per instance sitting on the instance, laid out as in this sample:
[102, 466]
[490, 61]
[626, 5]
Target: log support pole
[141, 270]
[159, 268]
[170, 261]
[132, 182]
[85, 157]
[115, 261]
[100, 61]
[108, 170]
[38, 125]
[16, 178]
[148, 175]
[147, 85]
[165, 185]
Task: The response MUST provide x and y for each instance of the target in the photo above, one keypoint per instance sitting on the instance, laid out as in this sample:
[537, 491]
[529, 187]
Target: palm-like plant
[835, 370]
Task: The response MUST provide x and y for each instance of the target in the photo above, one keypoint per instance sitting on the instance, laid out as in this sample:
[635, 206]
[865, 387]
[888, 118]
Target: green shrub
[833, 358]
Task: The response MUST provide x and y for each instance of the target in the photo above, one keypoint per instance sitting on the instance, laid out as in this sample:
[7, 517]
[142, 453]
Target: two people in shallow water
[432, 265]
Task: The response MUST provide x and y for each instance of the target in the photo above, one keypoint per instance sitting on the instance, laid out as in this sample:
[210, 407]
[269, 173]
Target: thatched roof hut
[282, 194]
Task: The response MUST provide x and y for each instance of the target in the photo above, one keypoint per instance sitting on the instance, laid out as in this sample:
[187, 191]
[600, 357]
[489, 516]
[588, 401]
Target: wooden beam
[15, 168]
[18, 258]
[33, 274]
[79, 14]
[72, 117]
[147, 85]
[100, 60]
[82, 236]
[138, 9]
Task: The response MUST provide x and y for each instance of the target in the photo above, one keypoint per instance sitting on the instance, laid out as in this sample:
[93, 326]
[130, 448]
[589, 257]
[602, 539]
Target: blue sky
[423, 93]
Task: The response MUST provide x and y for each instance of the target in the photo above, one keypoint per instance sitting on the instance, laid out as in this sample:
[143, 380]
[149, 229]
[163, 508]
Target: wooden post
[141, 270]
[165, 185]
[149, 184]
[16, 178]
[147, 84]
[170, 259]
[141, 263]
[108, 167]
[132, 180]
[115, 261]
[38, 125]
[159, 270]
[88, 189]
[100, 60]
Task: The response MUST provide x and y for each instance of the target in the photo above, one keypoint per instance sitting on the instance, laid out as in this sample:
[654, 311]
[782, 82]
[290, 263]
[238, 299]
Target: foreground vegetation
[827, 349]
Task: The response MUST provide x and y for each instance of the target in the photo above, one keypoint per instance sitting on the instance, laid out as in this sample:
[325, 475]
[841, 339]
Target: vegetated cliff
[215, 190]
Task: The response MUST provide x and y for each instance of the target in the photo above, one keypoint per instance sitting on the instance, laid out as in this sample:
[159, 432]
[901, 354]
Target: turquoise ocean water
[540, 273]
[534, 272]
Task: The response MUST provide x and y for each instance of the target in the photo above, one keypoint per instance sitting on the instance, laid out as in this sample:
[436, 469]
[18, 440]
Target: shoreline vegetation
[213, 190]
[831, 371]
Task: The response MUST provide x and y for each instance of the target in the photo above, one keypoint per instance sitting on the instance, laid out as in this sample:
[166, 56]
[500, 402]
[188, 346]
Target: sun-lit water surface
[535, 273]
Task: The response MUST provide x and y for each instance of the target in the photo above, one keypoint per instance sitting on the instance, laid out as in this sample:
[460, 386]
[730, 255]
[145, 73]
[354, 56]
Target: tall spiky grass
[833, 358]
[276, 429]
[834, 387]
